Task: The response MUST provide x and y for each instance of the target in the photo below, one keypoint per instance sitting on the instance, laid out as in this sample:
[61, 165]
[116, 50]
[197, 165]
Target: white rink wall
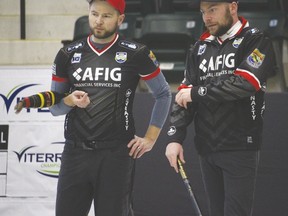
[47, 23]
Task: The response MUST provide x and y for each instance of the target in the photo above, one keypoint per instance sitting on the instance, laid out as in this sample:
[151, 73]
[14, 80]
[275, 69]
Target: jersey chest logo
[216, 63]
[121, 57]
[98, 74]
[76, 58]
[237, 42]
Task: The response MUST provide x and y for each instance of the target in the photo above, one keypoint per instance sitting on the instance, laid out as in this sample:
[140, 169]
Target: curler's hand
[19, 106]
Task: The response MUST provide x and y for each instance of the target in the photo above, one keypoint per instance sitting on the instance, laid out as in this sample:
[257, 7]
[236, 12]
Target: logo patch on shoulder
[76, 58]
[254, 30]
[153, 58]
[202, 49]
[128, 45]
[237, 42]
[121, 57]
[255, 59]
[73, 47]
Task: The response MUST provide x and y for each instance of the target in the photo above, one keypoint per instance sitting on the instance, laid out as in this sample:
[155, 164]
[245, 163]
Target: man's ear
[121, 19]
[234, 8]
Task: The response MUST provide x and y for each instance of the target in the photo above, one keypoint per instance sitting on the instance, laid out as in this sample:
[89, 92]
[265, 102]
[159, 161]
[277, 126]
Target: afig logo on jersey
[105, 74]
[217, 63]
[8, 99]
[45, 163]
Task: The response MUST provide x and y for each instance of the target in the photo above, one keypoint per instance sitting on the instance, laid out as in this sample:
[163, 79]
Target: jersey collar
[107, 47]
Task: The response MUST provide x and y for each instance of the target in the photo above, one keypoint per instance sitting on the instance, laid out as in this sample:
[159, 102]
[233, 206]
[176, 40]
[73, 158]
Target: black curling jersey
[228, 83]
[110, 77]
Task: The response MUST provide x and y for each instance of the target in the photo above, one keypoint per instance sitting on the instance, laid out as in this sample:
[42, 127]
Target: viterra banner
[34, 158]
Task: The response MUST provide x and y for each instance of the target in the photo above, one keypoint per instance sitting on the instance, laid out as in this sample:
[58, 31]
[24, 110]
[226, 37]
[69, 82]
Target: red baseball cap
[118, 5]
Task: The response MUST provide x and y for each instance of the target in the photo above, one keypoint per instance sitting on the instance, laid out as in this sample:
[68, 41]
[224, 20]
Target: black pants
[229, 180]
[103, 175]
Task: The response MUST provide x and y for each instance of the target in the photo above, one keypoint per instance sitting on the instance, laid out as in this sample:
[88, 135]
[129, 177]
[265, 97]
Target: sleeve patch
[129, 45]
[172, 130]
[153, 58]
[73, 47]
[54, 69]
[255, 59]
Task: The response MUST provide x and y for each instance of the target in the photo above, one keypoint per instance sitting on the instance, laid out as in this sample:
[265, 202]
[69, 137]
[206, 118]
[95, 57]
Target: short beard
[225, 27]
[107, 34]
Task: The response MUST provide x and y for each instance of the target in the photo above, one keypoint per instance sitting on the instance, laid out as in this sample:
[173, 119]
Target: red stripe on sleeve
[250, 78]
[59, 79]
[183, 86]
[152, 75]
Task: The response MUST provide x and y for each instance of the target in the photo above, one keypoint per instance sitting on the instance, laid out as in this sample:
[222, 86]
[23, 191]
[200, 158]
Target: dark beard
[224, 28]
[106, 35]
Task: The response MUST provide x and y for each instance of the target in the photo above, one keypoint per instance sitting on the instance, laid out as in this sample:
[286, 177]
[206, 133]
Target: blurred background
[32, 32]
